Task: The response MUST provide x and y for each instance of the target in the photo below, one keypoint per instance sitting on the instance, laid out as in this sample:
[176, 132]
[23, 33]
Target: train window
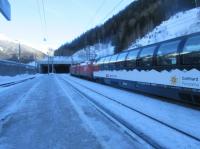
[131, 58]
[107, 59]
[122, 56]
[113, 58]
[95, 62]
[132, 55]
[191, 51]
[105, 63]
[100, 61]
[167, 53]
[112, 62]
[121, 61]
[146, 56]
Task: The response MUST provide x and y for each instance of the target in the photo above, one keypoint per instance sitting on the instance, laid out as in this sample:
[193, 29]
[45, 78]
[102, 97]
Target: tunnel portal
[57, 68]
[54, 65]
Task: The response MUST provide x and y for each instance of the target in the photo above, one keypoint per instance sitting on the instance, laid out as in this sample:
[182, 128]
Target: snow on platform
[7, 79]
[43, 113]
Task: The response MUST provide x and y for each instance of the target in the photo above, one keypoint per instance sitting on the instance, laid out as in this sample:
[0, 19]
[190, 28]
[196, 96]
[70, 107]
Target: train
[169, 69]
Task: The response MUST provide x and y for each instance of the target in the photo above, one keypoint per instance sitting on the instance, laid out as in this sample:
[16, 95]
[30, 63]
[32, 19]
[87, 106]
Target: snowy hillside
[182, 23]
[92, 52]
[9, 50]
[44, 49]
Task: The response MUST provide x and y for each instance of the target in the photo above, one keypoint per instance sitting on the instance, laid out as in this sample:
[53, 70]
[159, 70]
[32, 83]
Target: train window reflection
[191, 51]
[122, 57]
[132, 55]
[167, 53]
[113, 58]
[131, 58]
[100, 61]
[146, 56]
[107, 59]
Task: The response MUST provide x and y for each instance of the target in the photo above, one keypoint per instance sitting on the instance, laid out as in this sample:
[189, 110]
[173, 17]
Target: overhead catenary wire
[80, 5]
[108, 14]
[45, 22]
[42, 15]
[96, 13]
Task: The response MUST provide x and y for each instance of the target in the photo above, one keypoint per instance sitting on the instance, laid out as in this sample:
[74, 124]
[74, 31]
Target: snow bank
[6, 79]
[57, 58]
[33, 63]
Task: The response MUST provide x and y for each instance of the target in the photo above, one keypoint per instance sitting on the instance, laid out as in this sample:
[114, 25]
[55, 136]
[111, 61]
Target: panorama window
[106, 63]
[107, 59]
[131, 58]
[167, 53]
[191, 51]
[146, 56]
[95, 62]
[112, 62]
[122, 57]
[113, 58]
[100, 61]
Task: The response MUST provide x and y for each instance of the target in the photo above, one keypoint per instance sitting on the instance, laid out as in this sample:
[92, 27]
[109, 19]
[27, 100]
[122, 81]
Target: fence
[9, 68]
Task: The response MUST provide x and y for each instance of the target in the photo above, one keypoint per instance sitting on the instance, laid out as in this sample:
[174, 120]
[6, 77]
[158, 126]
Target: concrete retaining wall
[8, 68]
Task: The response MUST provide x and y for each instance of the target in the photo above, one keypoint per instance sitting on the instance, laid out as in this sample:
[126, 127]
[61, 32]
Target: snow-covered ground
[180, 24]
[36, 115]
[7, 79]
[180, 117]
[45, 113]
[92, 52]
[33, 63]
[55, 59]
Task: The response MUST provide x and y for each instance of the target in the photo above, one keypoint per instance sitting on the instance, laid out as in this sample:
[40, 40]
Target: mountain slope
[135, 21]
[9, 50]
[180, 24]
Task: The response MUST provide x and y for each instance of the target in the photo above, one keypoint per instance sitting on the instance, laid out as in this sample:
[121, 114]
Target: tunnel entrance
[54, 64]
[44, 69]
[61, 68]
[56, 68]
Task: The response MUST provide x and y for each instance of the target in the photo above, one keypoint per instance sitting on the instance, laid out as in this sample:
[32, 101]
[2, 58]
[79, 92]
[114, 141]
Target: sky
[65, 20]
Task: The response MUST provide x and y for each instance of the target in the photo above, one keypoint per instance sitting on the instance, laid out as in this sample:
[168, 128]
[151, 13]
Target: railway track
[129, 130]
[150, 141]
[15, 82]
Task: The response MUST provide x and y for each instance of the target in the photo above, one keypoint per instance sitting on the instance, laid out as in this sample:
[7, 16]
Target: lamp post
[48, 62]
[196, 3]
[18, 51]
[52, 66]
